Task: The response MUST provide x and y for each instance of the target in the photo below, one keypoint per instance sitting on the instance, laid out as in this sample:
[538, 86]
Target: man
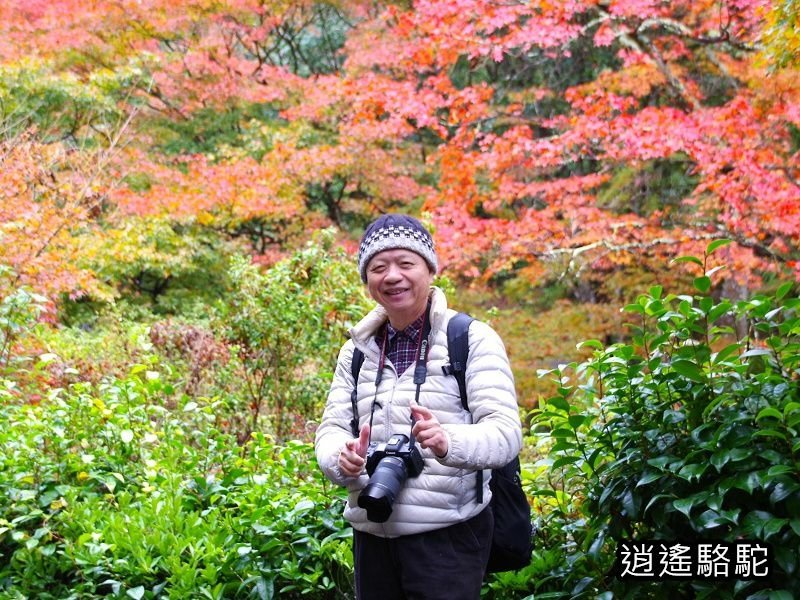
[435, 542]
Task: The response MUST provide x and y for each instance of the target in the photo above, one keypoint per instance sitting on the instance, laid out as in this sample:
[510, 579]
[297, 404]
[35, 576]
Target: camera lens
[384, 484]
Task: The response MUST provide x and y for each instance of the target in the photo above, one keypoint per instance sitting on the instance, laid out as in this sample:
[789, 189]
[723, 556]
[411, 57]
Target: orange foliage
[511, 182]
[49, 196]
[241, 188]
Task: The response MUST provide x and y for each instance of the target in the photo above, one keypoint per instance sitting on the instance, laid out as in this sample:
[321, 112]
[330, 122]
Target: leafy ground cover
[108, 491]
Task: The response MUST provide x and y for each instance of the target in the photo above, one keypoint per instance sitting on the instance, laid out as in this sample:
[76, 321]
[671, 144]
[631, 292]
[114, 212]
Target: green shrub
[286, 326]
[113, 491]
[688, 433]
[19, 312]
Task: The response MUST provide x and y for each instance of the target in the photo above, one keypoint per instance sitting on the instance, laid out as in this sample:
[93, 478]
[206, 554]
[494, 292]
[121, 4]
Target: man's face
[399, 280]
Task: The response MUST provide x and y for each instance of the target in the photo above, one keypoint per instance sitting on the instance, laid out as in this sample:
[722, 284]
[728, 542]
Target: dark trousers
[444, 564]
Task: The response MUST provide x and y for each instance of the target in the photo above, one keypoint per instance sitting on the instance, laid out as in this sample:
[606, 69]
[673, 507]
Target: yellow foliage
[782, 34]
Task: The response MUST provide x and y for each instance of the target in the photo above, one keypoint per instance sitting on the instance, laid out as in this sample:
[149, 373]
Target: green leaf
[718, 311]
[786, 558]
[702, 284]
[776, 470]
[559, 403]
[795, 525]
[769, 413]
[660, 462]
[714, 502]
[770, 433]
[691, 259]
[265, 588]
[693, 471]
[756, 352]
[747, 481]
[596, 546]
[564, 460]
[637, 308]
[656, 500]
[782, 491]
[773, 526]
[46, 358]
[630, 504]
[725, 353]
[685, 505]
[753, 525]
[649, 477]
[773, 313]
[710, 519]
[716, 244]
[738, 454]
[136, 593]
[783, 289]
[563, 432]
[720, 458]
[793, 420]
[597, 344]
[576, 421]
[688, 369]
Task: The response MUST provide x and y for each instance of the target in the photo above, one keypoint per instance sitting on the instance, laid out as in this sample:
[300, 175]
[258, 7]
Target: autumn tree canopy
[569, 141]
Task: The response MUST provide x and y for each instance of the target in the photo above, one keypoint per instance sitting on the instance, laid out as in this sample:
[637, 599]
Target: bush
[688, 433]
[108, 492]
[20, 310]
[286, 326]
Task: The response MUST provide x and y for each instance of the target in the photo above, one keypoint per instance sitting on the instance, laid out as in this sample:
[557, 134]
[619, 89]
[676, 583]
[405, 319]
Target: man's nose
[393, 273]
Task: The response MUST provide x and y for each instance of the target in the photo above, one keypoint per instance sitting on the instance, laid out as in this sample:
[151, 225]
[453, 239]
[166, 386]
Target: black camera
[388, 467]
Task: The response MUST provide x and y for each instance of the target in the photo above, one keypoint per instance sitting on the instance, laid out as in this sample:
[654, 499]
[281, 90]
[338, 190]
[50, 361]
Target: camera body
[389, 464]
[398, 445]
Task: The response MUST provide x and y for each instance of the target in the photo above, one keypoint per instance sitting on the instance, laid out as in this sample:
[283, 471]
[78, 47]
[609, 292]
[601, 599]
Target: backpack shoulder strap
[355, 369]
[458, 348]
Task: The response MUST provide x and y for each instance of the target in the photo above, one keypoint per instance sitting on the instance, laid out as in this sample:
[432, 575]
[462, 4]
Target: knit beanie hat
[394, 231]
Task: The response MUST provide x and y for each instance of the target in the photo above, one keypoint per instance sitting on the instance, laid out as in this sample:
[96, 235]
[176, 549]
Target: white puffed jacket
[486, 437]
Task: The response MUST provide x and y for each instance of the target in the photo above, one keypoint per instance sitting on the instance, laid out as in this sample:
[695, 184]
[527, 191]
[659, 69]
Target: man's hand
[428, 430]
[352, 457]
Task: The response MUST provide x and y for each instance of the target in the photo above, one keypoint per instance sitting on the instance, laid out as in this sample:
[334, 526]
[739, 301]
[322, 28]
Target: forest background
[183, 185]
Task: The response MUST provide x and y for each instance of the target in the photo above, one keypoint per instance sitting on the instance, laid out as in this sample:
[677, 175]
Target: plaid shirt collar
[402, 344]
[411, 331]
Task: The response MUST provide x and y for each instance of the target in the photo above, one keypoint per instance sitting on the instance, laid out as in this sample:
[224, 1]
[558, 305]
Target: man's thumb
[363, 440]
[420, 412]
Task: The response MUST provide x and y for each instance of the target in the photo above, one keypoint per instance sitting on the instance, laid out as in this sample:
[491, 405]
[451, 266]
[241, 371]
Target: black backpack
[512, 539]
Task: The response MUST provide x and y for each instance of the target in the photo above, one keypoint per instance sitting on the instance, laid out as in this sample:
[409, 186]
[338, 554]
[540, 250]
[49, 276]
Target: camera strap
[420, 370]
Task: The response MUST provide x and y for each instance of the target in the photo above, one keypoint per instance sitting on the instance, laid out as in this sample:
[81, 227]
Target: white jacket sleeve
[334, 430]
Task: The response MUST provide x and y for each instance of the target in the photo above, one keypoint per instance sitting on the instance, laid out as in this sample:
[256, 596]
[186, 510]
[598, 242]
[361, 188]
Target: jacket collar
[363, 333]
